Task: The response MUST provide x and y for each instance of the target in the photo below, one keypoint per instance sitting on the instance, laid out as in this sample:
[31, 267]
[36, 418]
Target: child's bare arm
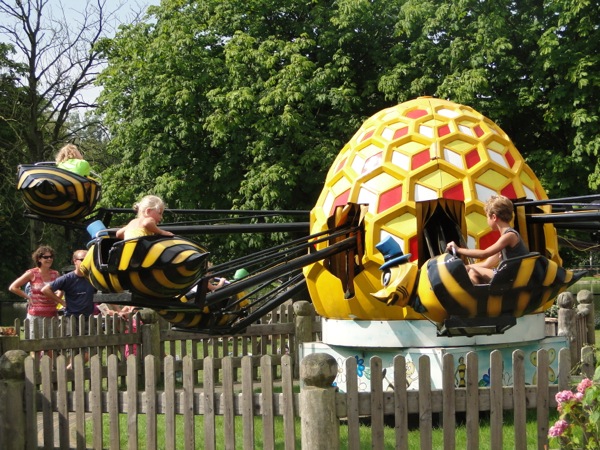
[150, 225]
[506, 240]
[120, 233]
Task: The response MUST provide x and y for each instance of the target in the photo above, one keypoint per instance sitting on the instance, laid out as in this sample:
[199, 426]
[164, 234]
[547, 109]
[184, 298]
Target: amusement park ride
[414, 177]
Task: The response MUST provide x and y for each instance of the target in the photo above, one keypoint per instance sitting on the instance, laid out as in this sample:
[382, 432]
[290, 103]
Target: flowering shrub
[578, 426]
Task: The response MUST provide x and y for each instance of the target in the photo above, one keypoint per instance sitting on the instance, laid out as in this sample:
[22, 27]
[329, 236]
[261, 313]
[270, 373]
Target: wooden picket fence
[196, 391]
[66, 409]
[443, 404]
[87, 415]
[280, 332]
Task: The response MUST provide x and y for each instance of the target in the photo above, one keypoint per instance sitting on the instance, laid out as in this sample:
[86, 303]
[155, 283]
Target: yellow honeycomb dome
[403, 163]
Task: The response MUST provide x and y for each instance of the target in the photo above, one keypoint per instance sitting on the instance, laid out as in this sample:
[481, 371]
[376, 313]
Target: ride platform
[363, 339]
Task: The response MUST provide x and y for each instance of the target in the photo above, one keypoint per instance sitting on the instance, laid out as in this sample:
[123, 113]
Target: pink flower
[564, 396]
[577, 416]
[584, 384]
[558, 428]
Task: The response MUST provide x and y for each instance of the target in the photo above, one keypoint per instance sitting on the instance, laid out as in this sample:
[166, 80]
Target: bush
[578, 426]
[552, 311]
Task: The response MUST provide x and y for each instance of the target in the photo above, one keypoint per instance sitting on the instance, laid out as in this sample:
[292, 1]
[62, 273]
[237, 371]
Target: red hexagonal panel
[389, 198]
[420, 159]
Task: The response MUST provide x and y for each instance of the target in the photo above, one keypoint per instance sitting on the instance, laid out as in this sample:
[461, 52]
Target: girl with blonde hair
[70, 158]
[149, 214]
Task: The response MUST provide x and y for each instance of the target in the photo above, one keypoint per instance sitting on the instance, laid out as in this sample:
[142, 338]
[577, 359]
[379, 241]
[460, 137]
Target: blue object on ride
[392, 253]
[96, 229]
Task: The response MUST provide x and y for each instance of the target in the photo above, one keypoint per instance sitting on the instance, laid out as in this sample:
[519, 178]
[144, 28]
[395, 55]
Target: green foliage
[219, 104]
[578, 426]
[569, 82]
[552, 311]
[529, 68]
[12, 224]
[222, 104]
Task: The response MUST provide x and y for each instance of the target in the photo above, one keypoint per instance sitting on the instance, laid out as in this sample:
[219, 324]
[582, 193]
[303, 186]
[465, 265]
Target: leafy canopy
[230, 104]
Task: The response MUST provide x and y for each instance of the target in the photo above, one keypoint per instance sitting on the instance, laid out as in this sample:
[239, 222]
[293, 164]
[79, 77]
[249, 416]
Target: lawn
[365, 433]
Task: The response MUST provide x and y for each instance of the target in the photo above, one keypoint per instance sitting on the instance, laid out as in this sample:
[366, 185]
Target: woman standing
[39, 306]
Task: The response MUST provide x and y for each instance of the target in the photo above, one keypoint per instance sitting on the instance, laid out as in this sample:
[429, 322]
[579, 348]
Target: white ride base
[415, 338]
[421, 333]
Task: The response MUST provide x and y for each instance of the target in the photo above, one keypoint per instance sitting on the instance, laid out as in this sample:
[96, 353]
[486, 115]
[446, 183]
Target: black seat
[507, 272]
[110, 254]
[509, 261]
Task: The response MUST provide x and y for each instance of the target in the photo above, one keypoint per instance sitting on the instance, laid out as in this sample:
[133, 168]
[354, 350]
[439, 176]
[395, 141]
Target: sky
[125, 13]
[72, 9]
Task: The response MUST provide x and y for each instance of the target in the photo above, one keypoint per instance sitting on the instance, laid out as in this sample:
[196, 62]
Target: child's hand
[452, 248]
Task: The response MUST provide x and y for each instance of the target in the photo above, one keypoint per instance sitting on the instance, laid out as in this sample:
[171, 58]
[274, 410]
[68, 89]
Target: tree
[13, 225]
[229, 104]
[224, 103]
[55, 61]
[532, 69]
[568, 91]
[60, 61]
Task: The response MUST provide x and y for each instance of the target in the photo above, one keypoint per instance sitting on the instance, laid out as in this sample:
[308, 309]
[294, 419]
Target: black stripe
[437, 285]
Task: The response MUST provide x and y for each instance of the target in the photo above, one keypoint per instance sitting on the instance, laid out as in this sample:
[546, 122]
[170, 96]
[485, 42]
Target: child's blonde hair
[149, 202]
[69, 151]
[501, 206]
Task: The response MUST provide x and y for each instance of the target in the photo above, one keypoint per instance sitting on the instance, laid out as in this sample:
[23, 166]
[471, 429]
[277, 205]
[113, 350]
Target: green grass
[198, 429]
[365, 433]
[597, 346]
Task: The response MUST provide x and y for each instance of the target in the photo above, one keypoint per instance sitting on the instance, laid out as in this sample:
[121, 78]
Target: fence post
[9, 343]
[566, 322]
[151, 336]
[12, 400]
[303, 321]
[585, 307]
[588, 366]
[318, 418]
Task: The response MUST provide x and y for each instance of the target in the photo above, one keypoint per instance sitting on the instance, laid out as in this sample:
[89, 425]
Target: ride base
[363, 339]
